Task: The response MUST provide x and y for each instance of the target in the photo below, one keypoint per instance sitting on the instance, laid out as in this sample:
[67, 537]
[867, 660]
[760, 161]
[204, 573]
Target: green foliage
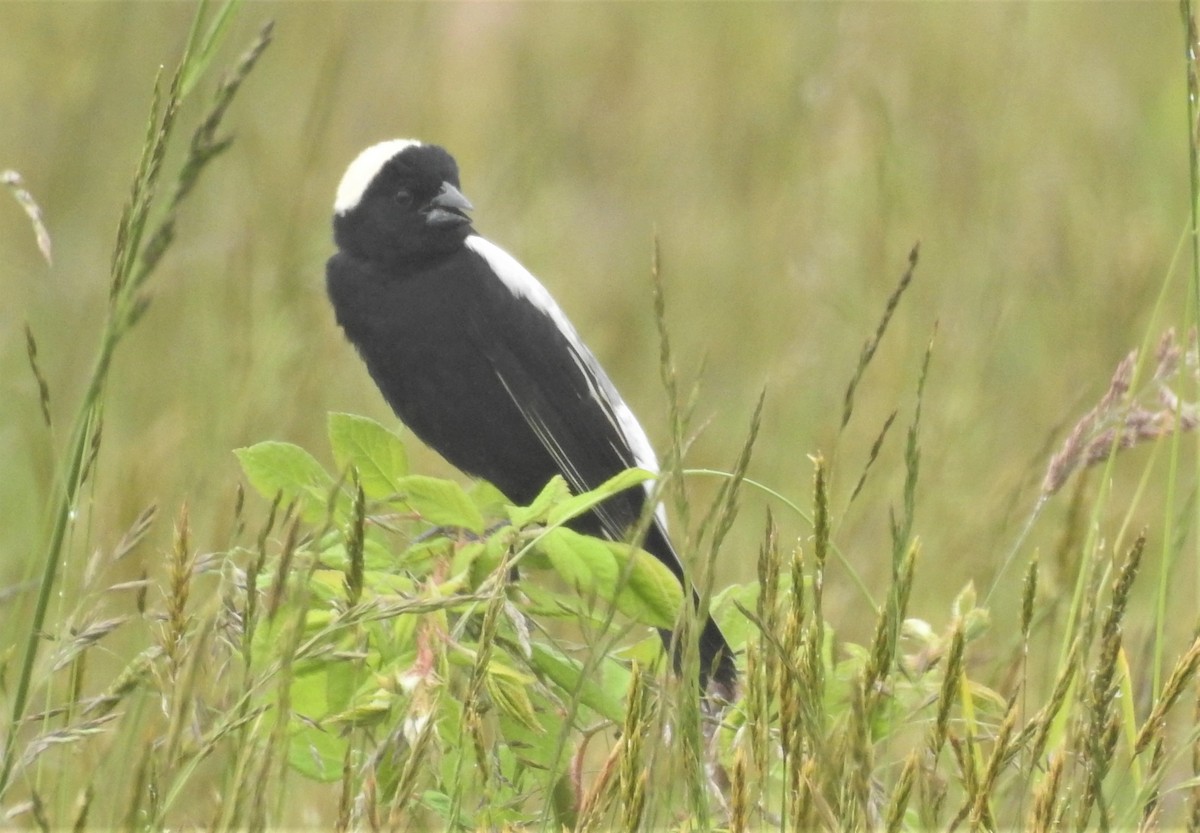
[438, 629]
[348, 647]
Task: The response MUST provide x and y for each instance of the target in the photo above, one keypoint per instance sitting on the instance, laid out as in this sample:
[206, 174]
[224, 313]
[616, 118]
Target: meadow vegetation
[906, 296]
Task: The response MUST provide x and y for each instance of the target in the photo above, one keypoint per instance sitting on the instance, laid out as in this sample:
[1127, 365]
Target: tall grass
[144, 234]
[357, 654]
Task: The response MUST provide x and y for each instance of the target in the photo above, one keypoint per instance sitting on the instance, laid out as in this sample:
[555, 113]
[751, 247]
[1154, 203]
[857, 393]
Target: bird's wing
[574, 410]
[564, 395]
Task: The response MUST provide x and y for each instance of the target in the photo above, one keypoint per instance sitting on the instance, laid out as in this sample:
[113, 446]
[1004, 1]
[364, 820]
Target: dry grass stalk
[1099, 740]
[133, 675]
[602, 793]
[791, 687]
[802, 794]
[887, 629]
[1194, 792]
[763, 673]
[275, 599]
[739, 816]
[1028, 597]
[479, 745]
[756, 702]
[414, 765]
[898, 803]
[1045, 815]
[815, 643]
[43, 385]
[1152, 808]
[1181, 675]
[16, 186]
[932, 790]
[136, 532]
[964, 757]
[61, 737]
[355, 537]
[1124, 418]
[949, 690]
[872, 456]
[981, 814]
[182, 562]
[872, 343]
[1039, 728]
[858, 764]
[632, 775]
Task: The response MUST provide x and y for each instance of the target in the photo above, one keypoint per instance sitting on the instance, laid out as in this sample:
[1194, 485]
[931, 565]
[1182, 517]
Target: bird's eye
[403, 197]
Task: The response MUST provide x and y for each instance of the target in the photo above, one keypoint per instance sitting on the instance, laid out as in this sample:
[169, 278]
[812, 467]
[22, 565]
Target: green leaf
[441, 804]
[510, 692]
[369, 709]
[490, 500]
[564, 803]
[440, 502]
[651, 593]
[283, 468]
[553, 494]
[477, 560]
[737, 628]
[576, 506]
[465, 557]
[584, 563]
[566, 673]
[629, 578]
[316, 752]
[376, 452]
[536, 748]
[541, 601]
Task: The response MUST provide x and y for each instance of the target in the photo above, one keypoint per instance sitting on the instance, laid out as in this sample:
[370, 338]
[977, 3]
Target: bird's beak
[448, 208]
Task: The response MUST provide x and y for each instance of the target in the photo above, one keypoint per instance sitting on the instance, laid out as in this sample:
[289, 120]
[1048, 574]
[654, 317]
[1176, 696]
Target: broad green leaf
[442, 804]
[576, 506]
[510, 693]
[283, 468]
[479, 559]
[328, 585]
[532, 747]
[544, 602]
[584, 563]
[368, 709]
[376, 555]
[737, 628]
[564, 802]
[316, 753]
[644, 590]
[440, 502]
[465, 557]
[319, 753]
[376, 452]
[490, 500]
[566, 673]
[645, 652]
[554, 493]
[650, 593]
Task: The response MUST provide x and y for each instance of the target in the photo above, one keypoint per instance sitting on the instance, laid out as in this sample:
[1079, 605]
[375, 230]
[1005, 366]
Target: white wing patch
[524, 285]
[362, 170]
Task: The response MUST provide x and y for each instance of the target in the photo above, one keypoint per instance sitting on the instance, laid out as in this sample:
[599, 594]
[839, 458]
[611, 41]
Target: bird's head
[399, 202]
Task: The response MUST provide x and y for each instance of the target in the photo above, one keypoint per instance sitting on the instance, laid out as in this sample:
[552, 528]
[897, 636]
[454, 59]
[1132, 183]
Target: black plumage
[474, 355]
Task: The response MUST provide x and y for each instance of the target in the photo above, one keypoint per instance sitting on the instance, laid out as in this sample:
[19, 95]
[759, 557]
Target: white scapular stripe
[524, 285]
[363, 169]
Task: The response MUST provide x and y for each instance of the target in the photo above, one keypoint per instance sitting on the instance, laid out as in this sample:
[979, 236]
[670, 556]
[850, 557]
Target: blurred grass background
[788, 157]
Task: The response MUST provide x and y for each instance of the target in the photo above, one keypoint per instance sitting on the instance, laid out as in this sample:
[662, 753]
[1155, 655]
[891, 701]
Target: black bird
[477, 359]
